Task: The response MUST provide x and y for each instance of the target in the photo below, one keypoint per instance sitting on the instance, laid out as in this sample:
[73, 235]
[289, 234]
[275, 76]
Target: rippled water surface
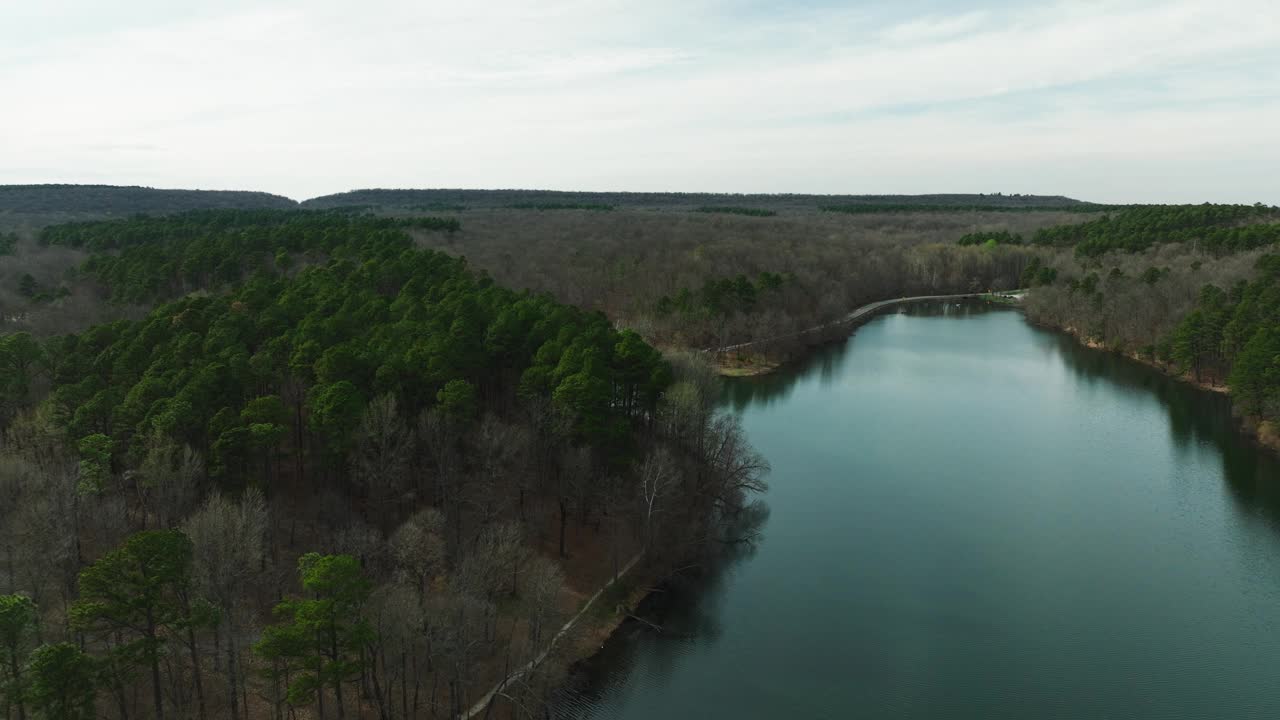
[973, 518]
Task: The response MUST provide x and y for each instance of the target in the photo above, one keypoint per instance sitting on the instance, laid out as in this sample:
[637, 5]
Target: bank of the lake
[974, 518]
[1263, 432]
[753, 358]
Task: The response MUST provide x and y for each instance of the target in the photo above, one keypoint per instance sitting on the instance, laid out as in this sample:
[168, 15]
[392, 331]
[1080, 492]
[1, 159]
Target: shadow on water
[639, 660]
[1198, 419]
[825, 362]
[687, 608]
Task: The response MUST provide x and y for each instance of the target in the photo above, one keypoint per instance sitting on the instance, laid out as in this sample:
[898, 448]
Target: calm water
[972, 518]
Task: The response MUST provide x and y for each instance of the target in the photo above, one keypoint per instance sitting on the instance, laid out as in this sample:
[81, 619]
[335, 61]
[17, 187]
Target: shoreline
[1265, 434]
[758, 363]
[597, 633]
[1262, 433]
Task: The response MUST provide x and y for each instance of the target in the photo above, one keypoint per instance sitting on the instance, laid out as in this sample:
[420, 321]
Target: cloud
[311, 97]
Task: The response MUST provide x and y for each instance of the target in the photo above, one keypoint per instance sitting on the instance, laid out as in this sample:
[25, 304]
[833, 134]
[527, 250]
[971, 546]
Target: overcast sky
[1168, 101]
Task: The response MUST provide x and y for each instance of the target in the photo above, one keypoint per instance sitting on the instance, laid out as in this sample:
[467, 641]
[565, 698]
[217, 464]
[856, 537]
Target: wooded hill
[330, 470]
[437, 198]
[1193, 288]
[118, 200]
[121, 200]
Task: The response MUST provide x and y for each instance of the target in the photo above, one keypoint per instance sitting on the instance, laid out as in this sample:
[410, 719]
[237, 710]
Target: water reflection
[1068, 558]
[687, 608]
[827, 363]
[1197, 418]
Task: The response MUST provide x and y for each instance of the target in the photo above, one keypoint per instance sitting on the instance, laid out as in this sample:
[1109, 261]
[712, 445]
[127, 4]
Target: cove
[974, 518]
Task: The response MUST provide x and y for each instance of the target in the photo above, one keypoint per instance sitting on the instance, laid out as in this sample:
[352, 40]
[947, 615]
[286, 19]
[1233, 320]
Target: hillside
[308, 395]
[549, 199]
[115, 199]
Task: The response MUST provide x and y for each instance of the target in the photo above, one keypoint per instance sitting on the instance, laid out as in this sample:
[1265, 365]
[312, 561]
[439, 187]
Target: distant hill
[115, 199]
[127, 200]
[448, 199]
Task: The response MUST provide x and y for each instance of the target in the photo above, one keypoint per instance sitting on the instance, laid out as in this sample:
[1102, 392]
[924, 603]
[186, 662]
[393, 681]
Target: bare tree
[229, 549]
[737, 470]
[572, 481]
[418, 547]
[383, 454]
[396, 613]
[168, 480]
[658, 476]
[494, 562]
[502, 453]
[540, 595]
[367, 544]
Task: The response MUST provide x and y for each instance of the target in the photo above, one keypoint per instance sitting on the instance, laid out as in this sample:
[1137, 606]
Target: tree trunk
[377, 689]
[404, 686]
[564, 518]
[155, 666]
[338, 699]
[232, 694]
[13, 668]
[195, 667]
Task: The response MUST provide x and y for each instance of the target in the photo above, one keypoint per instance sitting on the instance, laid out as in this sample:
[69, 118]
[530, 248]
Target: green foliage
[1003, 237]
[61, 682]
[8, 243]
[1219, 229]
[438, 207]
[17, 621]
[561, 206]
[432, 223]
[723, 297]
[1251, 341]
[1153, 275]
[321, 636]
[730, 210]
[457, 399]
[22, 359]
[136, 598]
[1235, 335]
[136, 588]
[125, 199]
[143, 258]
[1037, 274]
[335, 413]
[95, 463]
[966, 205]
[27, 286]
[17, 627]
[370, 315]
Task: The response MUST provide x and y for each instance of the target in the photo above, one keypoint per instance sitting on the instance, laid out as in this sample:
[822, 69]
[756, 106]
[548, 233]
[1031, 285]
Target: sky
[1118, 101]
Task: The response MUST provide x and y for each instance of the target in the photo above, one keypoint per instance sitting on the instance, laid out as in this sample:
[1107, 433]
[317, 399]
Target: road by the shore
[857, 313]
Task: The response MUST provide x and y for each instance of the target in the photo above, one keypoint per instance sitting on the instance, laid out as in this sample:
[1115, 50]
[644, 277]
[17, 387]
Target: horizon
[1133, 102]
[781, 194]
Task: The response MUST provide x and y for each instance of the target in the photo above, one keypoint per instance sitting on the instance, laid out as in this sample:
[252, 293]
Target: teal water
[975, 518]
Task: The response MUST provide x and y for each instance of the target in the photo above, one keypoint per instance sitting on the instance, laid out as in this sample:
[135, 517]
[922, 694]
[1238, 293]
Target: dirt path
[483, 705]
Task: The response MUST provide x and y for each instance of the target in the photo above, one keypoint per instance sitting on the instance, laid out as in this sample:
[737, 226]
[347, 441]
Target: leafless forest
[624, 262]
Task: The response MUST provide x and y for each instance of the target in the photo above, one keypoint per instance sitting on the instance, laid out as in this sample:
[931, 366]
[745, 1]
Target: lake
[975, 518]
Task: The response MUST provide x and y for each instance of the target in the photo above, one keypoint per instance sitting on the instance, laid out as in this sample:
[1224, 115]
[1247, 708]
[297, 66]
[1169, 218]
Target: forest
[329, 469]
[1192, 289]
[363, 460]
[981, 205]
[624, 263]
[127, 200]
[732, 210]
[1215, 229]
[688, 202]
